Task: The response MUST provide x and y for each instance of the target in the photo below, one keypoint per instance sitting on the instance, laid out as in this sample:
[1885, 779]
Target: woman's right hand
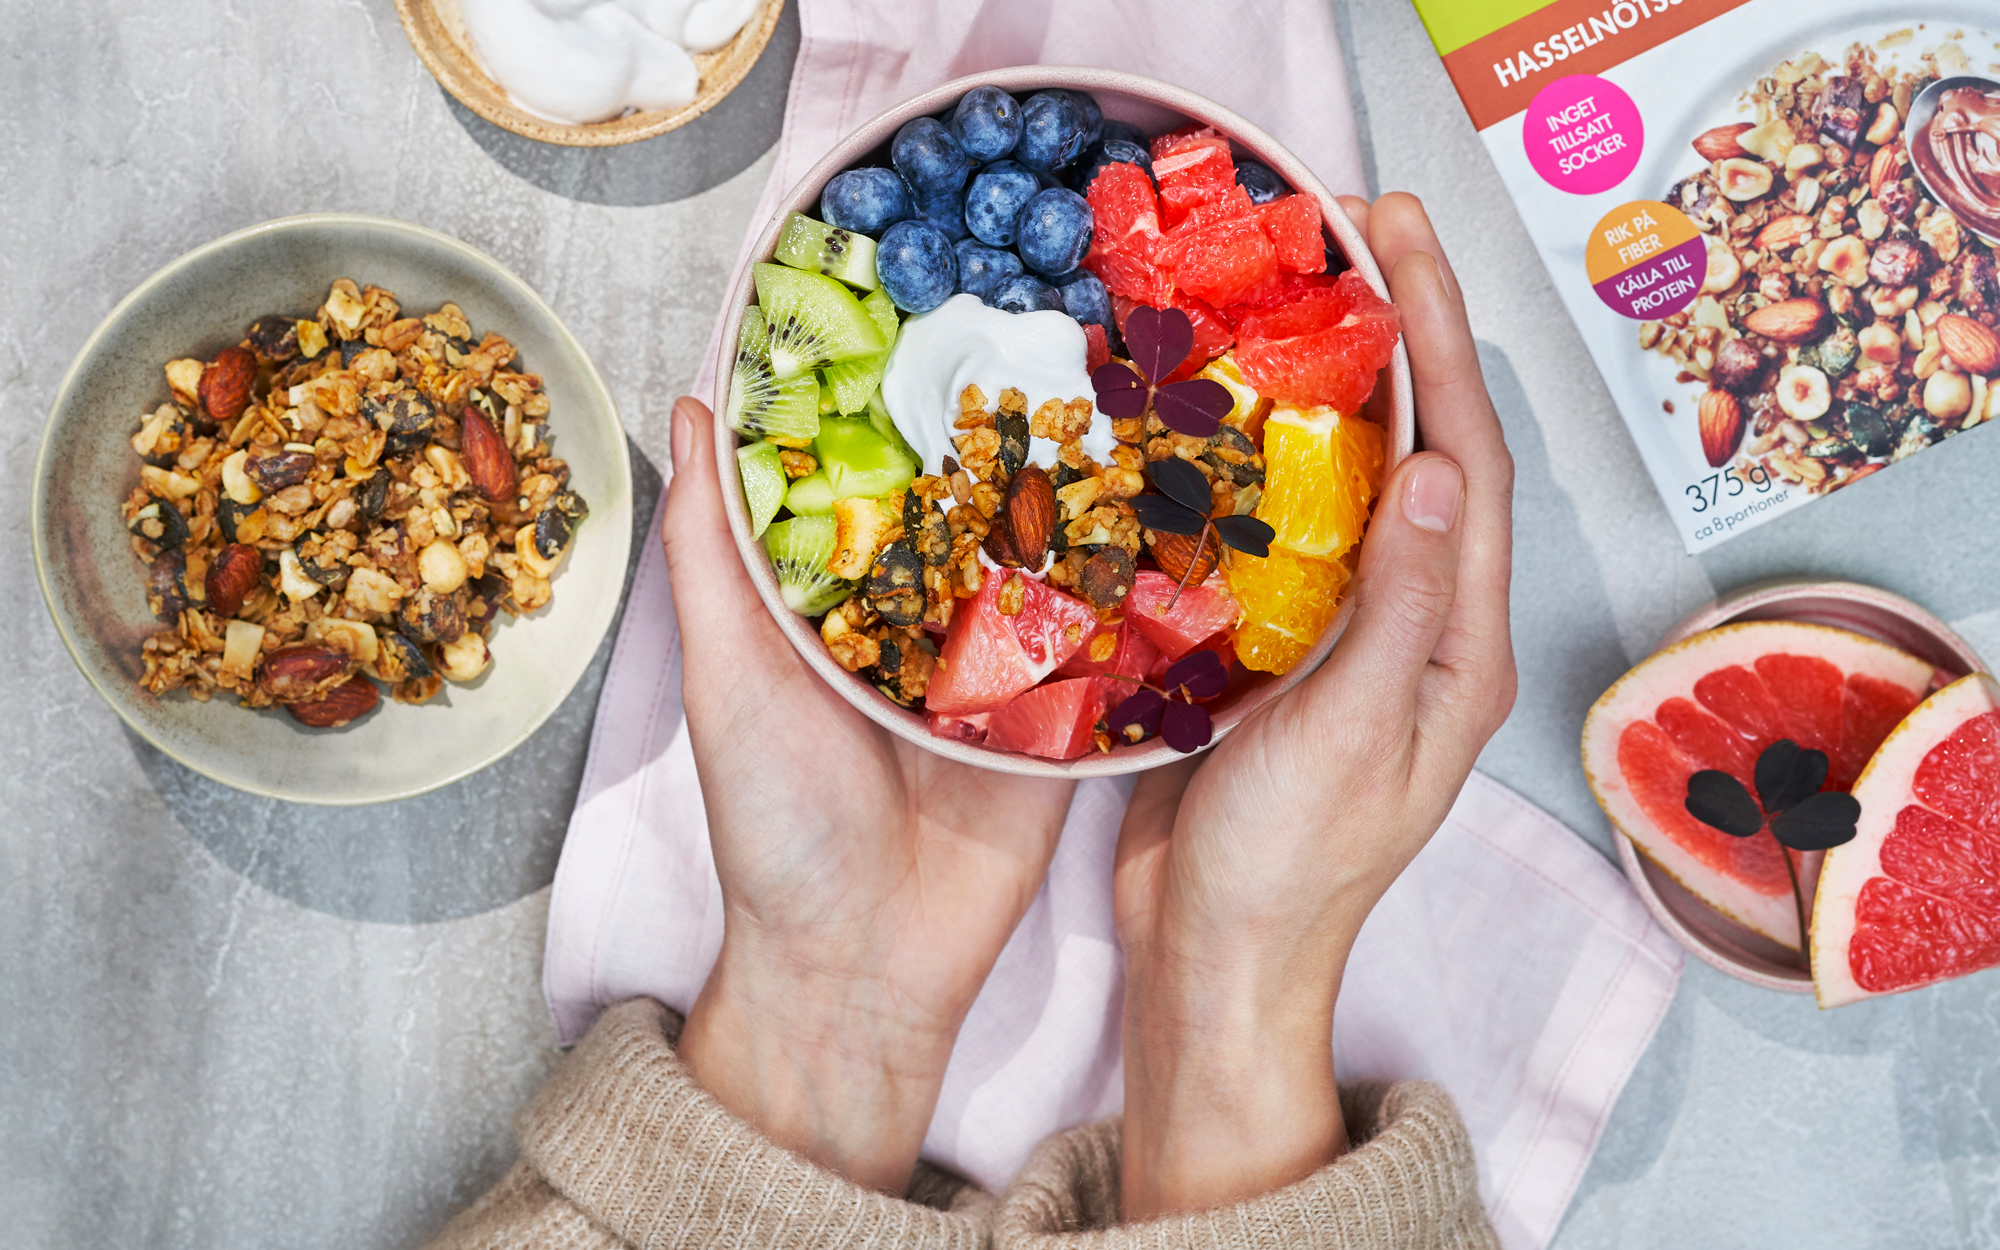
[1243, 878]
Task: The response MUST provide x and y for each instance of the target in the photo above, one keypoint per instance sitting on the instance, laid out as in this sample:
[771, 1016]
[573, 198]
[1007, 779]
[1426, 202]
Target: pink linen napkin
[1510, 963]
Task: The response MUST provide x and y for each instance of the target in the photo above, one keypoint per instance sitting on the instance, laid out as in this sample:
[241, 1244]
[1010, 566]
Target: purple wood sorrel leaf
[1181, 482]
[1246, 534]
[1143, 709]
[1158, 340]
[1121, 393]
[1200, 673]
[1157, 512]
[1185, 727]
[1195, 407]
[1719, 801]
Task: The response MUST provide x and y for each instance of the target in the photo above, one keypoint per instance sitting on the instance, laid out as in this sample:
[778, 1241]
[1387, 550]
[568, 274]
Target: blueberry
[994, 201]
[987, 123]
[1025, 294]
[1123, 130]
[982, 268]
[1055, 231]
[1052, 130]
[1085, 298]
[1108, 152]
[1093, 116]
[916, 266]
[929, 159]
[1262, 184]
[944, 210]
[866, 201]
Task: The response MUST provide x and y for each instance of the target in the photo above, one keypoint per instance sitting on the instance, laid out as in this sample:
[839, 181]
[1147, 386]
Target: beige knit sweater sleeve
[622, 1148]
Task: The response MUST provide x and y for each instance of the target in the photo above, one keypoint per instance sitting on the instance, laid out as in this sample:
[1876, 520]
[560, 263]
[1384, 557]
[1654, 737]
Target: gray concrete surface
[227, 1022]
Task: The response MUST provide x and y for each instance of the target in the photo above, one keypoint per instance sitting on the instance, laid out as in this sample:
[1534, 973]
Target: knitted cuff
[1410, 1182]
[626, 1134]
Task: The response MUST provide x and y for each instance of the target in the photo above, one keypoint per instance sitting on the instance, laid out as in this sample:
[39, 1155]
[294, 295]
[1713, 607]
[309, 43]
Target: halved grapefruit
[1915, 897]
[1717, 700]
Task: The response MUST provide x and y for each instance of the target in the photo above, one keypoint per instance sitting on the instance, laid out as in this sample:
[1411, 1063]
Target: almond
[1177, 553]
[1788, 321]
[1721, 421]
[1031, 512]
[1720, 144]
[487, 461]
[303, 674]
[1885, 166]
[353, 698]
[1971, 344]
[232, 577]
[225, 385]
[1785, 233]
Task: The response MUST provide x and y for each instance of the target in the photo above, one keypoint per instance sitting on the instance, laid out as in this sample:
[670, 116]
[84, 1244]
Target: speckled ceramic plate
[96, 589]
[1155, 107]
[1707, 934]
[436, 30]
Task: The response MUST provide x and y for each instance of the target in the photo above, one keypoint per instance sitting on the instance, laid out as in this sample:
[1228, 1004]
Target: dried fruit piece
[353, 698]
[226, 383]
[1721, 420]
[232, 576]
[487, 461]
[302, 674]
[1108, 578]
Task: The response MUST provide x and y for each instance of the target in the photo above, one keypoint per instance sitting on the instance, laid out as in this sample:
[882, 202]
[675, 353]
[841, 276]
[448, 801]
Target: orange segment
[1288, 601]
[1321, 472]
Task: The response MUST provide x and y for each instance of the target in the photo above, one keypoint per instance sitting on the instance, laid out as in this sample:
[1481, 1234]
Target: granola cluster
[991, 512]
[346, 496]
[1847, 318]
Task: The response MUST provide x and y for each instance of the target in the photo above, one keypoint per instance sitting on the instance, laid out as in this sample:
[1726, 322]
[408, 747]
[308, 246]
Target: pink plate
[1709, 936]
[1154, 107]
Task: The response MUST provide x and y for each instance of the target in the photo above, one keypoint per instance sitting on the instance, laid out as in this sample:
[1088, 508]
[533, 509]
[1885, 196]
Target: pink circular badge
[1583, 134]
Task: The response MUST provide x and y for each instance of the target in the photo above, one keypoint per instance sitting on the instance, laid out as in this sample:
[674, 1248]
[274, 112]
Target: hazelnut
[464, 658]
[441, 566]
[1947, 395]
[1743, 180]
[1881, 344]
[1802, 157]
[1803, 393]
[1846, 259]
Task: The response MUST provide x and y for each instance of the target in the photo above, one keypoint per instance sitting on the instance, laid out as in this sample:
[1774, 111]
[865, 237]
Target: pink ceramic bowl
[1707, 934]
[1154, 107]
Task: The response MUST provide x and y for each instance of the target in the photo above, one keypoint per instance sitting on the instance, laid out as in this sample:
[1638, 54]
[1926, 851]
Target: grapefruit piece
[1125, 235]
[1717, 700]
[1220, 251]
[1915, 897]
[1133, 655]
[1198, 614]
[1323, 348]
[1194, 167]
[1292, 222]
[989, 657]
[1056, 721]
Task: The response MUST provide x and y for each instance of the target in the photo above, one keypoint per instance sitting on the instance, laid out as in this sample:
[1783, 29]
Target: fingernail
[1431, 500]
[683, 431]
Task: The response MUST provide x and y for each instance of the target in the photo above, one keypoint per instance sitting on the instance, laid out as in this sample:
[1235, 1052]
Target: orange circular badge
[1646, 260]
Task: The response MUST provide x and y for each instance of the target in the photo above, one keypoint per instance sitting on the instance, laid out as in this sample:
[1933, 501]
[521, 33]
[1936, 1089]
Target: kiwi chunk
[817, 247]
[799, 549]
[811, 495]
[855, 459]
[760, 402]
[854, 381]
[813, 321]
[763, 483]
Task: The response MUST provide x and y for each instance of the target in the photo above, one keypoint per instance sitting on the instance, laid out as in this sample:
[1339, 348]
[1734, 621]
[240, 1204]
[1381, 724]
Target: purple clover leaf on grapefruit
[1157, 341]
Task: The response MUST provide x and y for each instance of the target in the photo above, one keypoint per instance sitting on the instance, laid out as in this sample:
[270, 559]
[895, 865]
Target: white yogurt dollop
[581, 61]
[964, 343]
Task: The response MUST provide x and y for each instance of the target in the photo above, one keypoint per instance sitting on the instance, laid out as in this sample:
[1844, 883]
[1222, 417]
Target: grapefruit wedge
[1915, 897]
[1717, 700]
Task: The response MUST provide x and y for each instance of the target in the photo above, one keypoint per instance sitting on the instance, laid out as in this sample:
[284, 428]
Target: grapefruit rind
[1672, 673]
[1884, 789]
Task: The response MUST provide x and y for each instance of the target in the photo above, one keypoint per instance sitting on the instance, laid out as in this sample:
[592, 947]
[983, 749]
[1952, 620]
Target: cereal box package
[1773, 221]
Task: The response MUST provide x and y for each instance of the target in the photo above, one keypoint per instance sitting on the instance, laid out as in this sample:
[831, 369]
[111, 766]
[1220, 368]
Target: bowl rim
[38, 503]
[458, 71]
[1398, 401]
[1728, 608]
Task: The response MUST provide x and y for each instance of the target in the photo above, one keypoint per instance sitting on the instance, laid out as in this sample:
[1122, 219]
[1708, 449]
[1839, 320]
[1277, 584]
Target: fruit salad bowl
[1127, 101]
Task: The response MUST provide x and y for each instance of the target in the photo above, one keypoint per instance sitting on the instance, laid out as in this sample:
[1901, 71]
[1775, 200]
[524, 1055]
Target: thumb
[714, 598]
[1406, 584]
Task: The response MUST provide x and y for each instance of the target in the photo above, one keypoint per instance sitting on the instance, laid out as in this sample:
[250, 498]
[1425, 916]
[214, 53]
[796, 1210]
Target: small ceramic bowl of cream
[589, 73]
[963, 342]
